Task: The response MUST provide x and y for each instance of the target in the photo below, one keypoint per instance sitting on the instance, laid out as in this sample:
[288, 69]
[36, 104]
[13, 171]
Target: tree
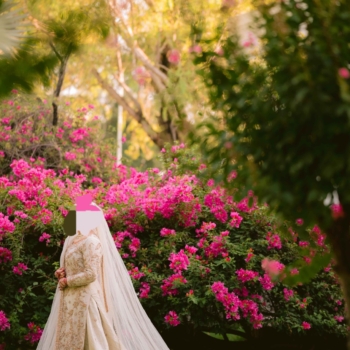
[281, 118]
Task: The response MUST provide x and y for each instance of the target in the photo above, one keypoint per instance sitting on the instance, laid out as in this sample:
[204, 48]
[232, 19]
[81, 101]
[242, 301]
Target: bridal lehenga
[99, 309]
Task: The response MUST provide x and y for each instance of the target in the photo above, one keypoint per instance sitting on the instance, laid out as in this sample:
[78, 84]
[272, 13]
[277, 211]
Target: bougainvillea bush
[198, 256]
[26, 132]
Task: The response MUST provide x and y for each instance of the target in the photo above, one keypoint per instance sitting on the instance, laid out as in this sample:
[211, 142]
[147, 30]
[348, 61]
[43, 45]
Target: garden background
[215, 136]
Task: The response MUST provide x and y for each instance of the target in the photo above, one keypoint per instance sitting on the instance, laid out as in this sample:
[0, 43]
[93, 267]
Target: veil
[133, 327]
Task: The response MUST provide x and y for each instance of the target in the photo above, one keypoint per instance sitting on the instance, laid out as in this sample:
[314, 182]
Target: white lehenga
[99, 309]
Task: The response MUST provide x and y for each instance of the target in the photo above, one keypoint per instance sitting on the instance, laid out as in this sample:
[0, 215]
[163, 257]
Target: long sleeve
[91, 253]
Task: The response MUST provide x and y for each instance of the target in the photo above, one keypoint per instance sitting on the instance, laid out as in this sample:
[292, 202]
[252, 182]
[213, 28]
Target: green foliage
[284, 115]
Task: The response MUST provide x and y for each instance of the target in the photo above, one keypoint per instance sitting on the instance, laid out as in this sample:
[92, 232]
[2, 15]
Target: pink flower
[236, 219]
[18, 270]
[288, 293]
[190, 249]
[5, 255]
[34, 333]
[272, 267]
[266, 282]
[4, 322]
[246, 275]
[141, 75]
[304, 244]
[249, 256]
[179, 261]
[232, 176]
[274, 241]
[249, 41]
[167, 232]
[195, 49]
[306, 325]
[45, 237]
[172, 319]
[307, 259]
[211, 183]
[337, 211]
[299, 222]
[134, 246]
[294, 271]
[169, 284]
[136, 274]
[70, 155]
[123, 139]
[230, 301]
[344, 73]
[339, 318]
[144, 290]
[174, 56]
[163, 150]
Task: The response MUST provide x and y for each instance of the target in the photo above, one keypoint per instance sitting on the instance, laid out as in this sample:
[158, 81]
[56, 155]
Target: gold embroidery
[103, 285]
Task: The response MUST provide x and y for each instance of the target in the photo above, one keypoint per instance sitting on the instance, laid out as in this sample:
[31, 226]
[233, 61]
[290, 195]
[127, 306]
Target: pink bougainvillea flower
[211, 183]
[232, 175]
[135, 273]
[20, 268]
[307, 259]
[266, 282]
[195, 49]
[339, 318]
[299, 222]
[123, 139]
[45, 237]
[191, 249]
[337, 211]
[34, 334]
[344, 73]
[144, 290]
[288, 293]
[141, 75]
[272, 267]
[274, 241]
[168, 286]
[236, 219]
[250, 41]
[174, 56]
[179, 261]
[249, 255]
[5, 255]
[230, 301]
[4, 322]
[172, 319]
[246, 275]
[306, 325]
[294, 271]
[167, 232]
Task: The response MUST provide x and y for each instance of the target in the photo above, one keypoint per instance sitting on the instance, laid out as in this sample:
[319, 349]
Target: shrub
[197, 256]
[26, 132]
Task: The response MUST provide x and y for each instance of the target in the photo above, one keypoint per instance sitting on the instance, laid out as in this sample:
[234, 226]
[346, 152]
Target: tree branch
[136, 114]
